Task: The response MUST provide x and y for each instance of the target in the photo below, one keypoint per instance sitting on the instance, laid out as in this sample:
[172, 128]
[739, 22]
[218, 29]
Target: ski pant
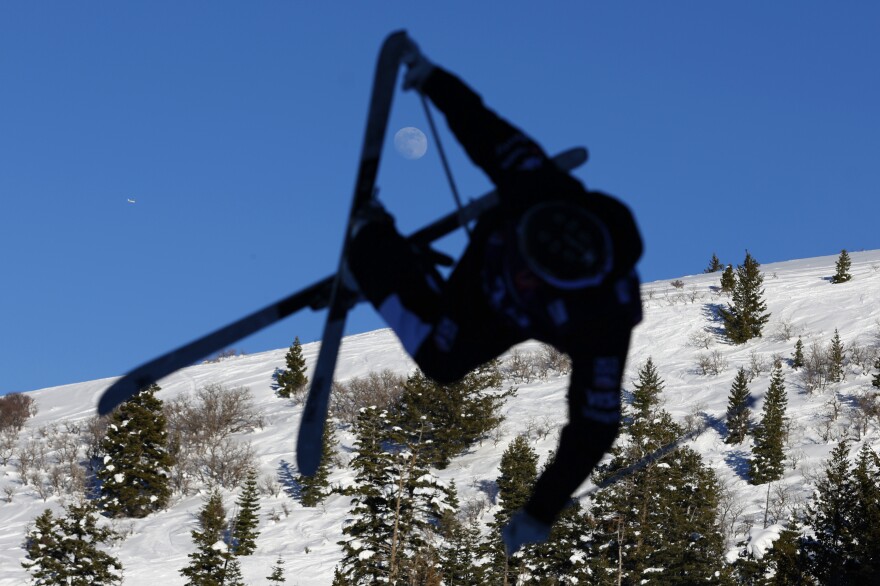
[449, 329]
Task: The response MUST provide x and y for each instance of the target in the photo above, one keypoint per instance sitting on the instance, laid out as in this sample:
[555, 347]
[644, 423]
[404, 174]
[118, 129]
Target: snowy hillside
[799, 296]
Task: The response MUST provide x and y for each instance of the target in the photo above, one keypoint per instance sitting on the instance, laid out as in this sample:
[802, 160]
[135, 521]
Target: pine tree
[134, 479]
[232, 572]
[738, 415]
[315, 489]
[458, 554]
[797, 359]
[866, 517]
[563, 557]
[843, 264]
[875, 382]
[208, 563]
[830, 514]
[277, 574]
[518, 473]
[728, 280]
[787, 560]
[714, 265]
[65, 550]
[658, 523]
[292, 382]
[745, 318]
[455, 416]
[395, 502]
[836, 354]
[646, 393]
[244, 529]
[768, 451]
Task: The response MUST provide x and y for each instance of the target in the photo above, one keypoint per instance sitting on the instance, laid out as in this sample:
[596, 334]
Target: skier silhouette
[552, 261]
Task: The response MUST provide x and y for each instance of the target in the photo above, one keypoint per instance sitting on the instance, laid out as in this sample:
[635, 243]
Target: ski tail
[314, 418]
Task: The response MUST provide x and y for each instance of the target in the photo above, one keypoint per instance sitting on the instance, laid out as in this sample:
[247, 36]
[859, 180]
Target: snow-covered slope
[799, 296]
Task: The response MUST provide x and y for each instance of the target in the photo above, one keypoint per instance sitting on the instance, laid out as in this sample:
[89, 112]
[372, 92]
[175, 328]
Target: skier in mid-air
[552, 261]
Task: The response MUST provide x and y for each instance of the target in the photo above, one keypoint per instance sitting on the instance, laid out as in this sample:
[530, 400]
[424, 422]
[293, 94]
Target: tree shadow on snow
[738, 461]
[288, 480]
[712, 312]
[490, 487]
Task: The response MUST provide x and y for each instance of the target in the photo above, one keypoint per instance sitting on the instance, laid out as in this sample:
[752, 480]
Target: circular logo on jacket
[565, 245]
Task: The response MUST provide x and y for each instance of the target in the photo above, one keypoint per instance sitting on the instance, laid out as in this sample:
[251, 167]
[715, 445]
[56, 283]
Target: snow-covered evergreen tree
[842, 266]
[728, 280]
[135, 472]
[292, 382]
[768, 452]
[797, 359]
[66, 550]
[396, 503]
[836, 355]
[208, 563]
[830, 515]
[277, 575]
[244, 528]
[714, 265]
[658, 523]
[865, 478]
[518, 473]
[458, 555]
[738, 413]
[744, 319]
[455, 415]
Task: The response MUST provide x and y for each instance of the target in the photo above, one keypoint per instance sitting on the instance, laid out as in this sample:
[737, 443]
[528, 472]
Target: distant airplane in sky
[130, 200]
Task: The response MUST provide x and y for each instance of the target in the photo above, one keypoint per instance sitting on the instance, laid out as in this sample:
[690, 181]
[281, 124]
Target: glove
[419, 68]
[522, 529]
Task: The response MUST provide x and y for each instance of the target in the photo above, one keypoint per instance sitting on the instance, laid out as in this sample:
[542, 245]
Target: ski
[709, 422]
[314, 297]
[311, 429]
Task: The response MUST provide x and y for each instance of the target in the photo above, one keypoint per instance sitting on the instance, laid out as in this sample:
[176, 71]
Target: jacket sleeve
[492, 143]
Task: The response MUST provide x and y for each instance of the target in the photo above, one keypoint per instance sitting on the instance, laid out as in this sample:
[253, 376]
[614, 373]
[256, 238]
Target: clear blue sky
[236, 127]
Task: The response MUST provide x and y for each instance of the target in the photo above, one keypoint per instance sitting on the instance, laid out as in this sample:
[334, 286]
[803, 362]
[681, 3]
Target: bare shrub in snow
[270, 486]
[701, 338]
[215, 412]
[522, 366]
[224, 354]
[678, 284]
[199, 429]
[224, 463]
[785, 330]
[867, 409]
[15, 410]
[93, 432]
[782, 501]
[814, 373]
[730, 510]
[540, 427]
[757, 365]
[695, 417]
[862, 356]
[8, 445]
[555, 360]
[713, 363]
[382, 389]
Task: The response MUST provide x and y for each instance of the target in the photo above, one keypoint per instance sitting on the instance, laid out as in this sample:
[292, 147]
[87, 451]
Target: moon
[411, 143]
